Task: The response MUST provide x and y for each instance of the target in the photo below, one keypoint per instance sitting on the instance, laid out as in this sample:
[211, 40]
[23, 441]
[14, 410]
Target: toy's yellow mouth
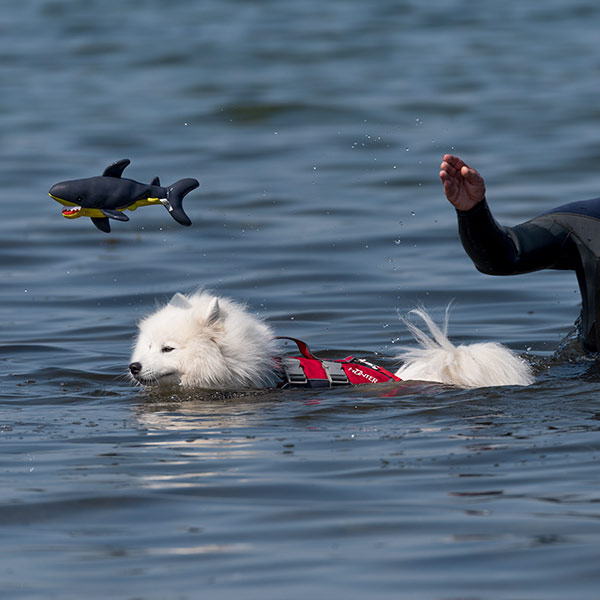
[71, 210]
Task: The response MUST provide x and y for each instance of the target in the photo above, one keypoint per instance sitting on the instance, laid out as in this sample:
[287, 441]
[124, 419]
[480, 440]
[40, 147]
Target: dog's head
[203, 341]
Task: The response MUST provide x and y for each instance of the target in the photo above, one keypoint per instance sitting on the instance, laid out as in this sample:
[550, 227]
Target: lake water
[316, 130]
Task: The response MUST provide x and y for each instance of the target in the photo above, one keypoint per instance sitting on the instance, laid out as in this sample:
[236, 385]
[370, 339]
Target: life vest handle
[302, 346]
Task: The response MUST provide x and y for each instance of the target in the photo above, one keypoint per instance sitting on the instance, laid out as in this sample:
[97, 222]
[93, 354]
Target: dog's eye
[167, 349]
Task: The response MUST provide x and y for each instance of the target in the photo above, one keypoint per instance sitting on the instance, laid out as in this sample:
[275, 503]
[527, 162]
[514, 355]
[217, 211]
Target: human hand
[463, 186]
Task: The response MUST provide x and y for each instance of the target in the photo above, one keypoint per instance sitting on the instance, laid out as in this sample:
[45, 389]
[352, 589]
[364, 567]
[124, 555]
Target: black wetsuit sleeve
[497, 250]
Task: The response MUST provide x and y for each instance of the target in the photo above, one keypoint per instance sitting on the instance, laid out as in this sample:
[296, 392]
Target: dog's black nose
[135, 368]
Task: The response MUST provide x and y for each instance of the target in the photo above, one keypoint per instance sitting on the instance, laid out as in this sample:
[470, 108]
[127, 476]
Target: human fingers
[446, 167]
[474, 184]
[454, 161]
[471, 175]
[446, 176]
[448, 171]
[450, 185]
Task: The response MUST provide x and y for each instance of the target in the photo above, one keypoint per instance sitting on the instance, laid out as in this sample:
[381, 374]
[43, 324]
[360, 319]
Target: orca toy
[107, 196]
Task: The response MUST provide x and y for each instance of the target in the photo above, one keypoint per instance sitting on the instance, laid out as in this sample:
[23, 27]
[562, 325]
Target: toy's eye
[167, 349]
[79, 199]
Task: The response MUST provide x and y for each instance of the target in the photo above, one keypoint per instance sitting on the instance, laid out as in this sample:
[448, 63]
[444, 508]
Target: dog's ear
[180, 301]
[214, 312]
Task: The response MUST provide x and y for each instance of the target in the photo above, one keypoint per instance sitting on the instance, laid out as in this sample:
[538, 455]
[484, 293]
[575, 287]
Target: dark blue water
[316, 130]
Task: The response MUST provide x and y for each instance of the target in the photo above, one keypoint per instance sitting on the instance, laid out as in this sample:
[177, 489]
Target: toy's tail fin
[175, 195]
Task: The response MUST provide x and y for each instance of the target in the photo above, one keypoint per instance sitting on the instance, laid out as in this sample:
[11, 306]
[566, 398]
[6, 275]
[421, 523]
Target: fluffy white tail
[467, 366]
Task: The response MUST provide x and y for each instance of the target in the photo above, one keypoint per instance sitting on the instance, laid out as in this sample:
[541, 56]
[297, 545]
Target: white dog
[204, 341]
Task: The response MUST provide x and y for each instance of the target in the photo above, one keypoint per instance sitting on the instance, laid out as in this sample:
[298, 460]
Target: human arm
[494, 249]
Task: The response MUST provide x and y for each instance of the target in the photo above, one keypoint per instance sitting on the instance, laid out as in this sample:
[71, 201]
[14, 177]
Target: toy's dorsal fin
[155, 181]
[116, 169]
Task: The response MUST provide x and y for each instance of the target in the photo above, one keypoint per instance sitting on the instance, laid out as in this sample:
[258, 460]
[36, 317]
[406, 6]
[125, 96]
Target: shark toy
[107, 196]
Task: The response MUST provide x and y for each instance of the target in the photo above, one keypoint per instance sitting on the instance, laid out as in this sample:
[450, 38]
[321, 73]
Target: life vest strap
[302, 346]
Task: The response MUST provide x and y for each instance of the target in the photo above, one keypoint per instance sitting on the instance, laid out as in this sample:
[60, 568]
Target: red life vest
[308, 371]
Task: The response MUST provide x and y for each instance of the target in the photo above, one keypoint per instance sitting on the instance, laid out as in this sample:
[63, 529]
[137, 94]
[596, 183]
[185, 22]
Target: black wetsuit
[567, 237]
